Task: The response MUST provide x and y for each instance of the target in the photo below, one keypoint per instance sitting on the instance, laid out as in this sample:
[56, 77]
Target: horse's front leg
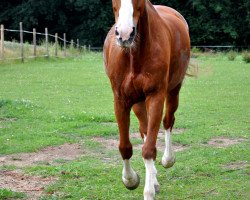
[154, 105]
[129, 177]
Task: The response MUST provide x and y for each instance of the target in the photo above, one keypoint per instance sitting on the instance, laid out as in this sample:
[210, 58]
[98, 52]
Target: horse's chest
[133, 87]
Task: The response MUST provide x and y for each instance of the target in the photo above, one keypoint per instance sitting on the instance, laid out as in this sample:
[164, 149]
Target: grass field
[12, 51]
[51, 102]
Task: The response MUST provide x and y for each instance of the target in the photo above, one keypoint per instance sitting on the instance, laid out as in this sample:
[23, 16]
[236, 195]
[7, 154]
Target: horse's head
[127, 14]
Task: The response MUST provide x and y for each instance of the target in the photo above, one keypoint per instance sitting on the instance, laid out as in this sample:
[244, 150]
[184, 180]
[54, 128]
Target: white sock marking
[154, 178]
[168, 158]
[129, 176]
[149, 189]
[168, 142]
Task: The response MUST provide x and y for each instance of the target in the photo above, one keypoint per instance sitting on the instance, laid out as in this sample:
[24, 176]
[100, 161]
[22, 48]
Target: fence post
[34, 42]
[2, 41]
[89, 48]
[77, 45]
[46, 43]
[56, 44]
[72, 44]
[64, 44]
[21, 40]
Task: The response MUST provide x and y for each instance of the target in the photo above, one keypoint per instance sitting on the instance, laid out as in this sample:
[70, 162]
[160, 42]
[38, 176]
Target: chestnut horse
[146, 54]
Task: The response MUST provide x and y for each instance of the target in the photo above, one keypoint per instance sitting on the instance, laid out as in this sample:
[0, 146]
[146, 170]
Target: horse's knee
[126, 151]
[149, 152]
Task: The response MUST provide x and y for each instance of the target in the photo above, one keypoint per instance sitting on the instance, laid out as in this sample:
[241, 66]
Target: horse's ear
[115, 6]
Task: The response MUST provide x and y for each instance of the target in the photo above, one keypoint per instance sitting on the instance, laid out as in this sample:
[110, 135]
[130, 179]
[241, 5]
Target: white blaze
[125, 19]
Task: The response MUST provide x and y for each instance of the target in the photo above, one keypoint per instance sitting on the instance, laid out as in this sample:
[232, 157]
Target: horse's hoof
[149, 195]
[168, 162]
[131, 184]
[157, 188]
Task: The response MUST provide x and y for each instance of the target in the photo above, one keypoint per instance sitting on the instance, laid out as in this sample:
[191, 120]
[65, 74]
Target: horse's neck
[144, 39]
[146, 24]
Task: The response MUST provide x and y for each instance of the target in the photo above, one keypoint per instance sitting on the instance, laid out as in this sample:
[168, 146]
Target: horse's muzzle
[125, 43]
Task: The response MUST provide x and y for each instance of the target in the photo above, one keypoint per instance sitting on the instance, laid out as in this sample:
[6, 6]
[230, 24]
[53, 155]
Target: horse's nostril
[133, 33]
[116, 33]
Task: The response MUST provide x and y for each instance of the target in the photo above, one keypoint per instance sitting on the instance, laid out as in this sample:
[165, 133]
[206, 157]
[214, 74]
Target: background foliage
[211, 22]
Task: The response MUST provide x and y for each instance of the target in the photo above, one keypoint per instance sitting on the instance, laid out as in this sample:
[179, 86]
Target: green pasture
[56, 101]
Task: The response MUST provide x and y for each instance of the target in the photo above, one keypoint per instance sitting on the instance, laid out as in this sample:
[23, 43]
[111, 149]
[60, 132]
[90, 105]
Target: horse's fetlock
[126, 151]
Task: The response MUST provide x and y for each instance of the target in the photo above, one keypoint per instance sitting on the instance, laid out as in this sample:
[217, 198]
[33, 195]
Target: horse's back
[178, 34]
[165, 11]
[176, 28]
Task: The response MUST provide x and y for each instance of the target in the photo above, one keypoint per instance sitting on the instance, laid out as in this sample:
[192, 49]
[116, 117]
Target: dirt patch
[237, 165]
[175, 131]
[3, 119]
[46, 156]
[161, 134]
[109, 143]
[222, 142]
[109, 123]
[176, 147]
[112, 143]
[33, 186]
[161, 147]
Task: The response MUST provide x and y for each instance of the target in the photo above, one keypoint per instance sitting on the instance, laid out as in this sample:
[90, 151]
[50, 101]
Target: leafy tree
[213, 22]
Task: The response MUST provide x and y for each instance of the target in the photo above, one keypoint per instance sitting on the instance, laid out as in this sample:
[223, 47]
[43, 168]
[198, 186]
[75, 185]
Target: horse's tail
[193, 69]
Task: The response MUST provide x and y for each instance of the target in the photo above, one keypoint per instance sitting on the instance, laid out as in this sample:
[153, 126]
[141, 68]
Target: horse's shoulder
[108, 48]
[109, 37]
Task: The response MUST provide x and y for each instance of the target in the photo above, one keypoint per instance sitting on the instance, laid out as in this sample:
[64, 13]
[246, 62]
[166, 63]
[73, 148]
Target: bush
[231, 55]
[246, 56]
[195, 52]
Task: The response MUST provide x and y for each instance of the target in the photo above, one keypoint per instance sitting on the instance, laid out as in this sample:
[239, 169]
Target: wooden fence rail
[46, 35]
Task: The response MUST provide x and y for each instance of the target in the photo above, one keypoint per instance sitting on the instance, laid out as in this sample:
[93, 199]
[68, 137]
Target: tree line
[213, 22]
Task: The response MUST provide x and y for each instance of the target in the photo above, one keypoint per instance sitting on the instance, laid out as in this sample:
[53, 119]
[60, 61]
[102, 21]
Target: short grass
[7, 194]
[50, 102]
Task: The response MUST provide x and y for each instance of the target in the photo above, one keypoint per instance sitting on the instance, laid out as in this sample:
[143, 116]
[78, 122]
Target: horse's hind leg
[141, 113]
[172, 101]
[129, 177]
